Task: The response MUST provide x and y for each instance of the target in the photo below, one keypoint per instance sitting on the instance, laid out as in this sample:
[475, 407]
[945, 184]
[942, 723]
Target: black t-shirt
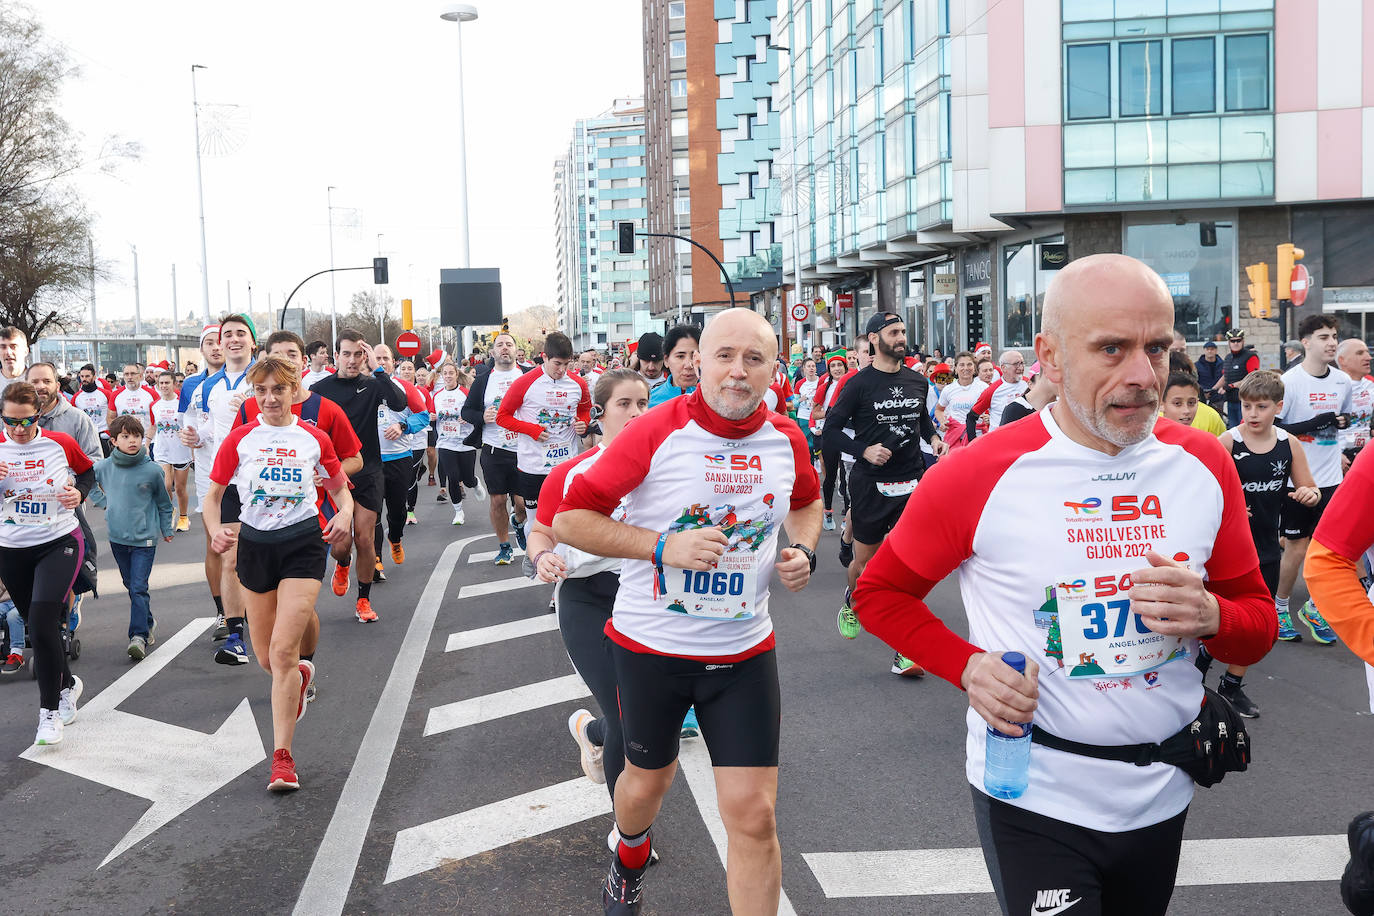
[1017, 409]
[1264, 478]
[360, 397]
[888, 408]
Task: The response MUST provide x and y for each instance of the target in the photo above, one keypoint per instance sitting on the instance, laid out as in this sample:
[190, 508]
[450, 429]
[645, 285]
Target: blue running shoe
[1317, 624]
[828, 523]
[1287, 632]
[74, 616]
[690, 728]
[504, 555]
[519, 531]
[233, 652]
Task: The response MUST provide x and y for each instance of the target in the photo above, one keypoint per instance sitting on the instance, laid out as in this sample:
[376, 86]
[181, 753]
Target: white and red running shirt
[415, 403]
[1306, 396]
[1356, 434]
[167, 447]
[1044, 532]
[274, 468]
[97, 405]
[38, 470]
[580, 564]
[682, 466]
[136, 402]
[536, 404]
[498, 383]
[310, 376]
[452, 428]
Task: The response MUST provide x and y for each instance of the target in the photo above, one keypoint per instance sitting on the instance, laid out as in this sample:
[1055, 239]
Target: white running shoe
[49, 728]
[66, 703]
[458, 517]
[591, 754]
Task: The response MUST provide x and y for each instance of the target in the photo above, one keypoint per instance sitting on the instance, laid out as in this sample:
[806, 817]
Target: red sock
[636, 856]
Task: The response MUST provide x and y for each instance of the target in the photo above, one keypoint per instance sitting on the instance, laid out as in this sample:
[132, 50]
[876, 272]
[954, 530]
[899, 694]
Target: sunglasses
[943, 376]
[22, 422]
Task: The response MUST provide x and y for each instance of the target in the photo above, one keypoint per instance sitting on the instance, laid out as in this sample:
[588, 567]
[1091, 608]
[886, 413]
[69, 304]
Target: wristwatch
[810, 554]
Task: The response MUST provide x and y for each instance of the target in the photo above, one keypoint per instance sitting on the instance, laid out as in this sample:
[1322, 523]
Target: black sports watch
[810, 554]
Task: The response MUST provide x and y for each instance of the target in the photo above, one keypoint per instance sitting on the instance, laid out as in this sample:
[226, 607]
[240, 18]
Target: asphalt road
[489, 813]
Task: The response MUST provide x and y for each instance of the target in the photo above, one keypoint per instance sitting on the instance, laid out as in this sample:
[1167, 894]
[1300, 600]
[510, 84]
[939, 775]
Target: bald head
[740, 324]
[1081, 292]
[1352, 356]
[384, 358]
[735, 362]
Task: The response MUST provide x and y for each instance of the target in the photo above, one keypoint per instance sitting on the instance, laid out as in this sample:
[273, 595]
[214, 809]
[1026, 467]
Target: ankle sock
[308, 657]
[235, 624]
[633, 851]
[1229, 681]
[219, 605]
[365, 590]
[596, 732]
[1281, 605]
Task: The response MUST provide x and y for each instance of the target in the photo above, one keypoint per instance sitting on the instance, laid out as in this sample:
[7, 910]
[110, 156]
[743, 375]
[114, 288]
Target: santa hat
[210, 330]
[436, 358]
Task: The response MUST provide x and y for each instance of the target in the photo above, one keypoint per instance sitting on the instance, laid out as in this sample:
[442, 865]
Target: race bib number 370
[1102, 636]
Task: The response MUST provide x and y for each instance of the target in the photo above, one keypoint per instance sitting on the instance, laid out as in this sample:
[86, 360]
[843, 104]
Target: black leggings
[39, 579]
[457, 467]
[584, 606]
[414, 494]
[834, 471]
[396, 475]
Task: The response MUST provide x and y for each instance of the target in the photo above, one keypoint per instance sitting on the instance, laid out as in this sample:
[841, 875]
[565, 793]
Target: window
[680, 166]
[1024, 284]
[1089, 69]
[677, 48]
[679, 126]
[678, 89]
[1201, 278]
[1142, 72]
[1247, 72]
[1195, 76]
[683, 205]
[894, 38]
[677, 9]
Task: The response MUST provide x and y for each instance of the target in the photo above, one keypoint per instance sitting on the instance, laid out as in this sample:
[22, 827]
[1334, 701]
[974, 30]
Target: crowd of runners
[1164, 509]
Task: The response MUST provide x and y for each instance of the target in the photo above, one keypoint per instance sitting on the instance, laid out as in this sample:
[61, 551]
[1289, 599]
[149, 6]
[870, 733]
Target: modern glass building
[602, 295]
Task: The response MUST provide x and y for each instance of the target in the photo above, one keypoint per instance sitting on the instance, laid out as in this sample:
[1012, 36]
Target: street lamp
[200, 194]
[461, 13]
[333, 301]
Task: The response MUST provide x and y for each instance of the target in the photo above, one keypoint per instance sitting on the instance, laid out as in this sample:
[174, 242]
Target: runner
[887, 406]
[677, 640]
[135, 399]
[418, 441]
[499, 446]
[1104, 492]
[209, 417]
[361, 397]
[457, 458]
[549, 410]
[168, 449]
[649, 353]
[213, 354]
[806, 393]
[14, 355]
[394, 431]
[1352, 356]
[837, 369]
[681, 345]
[96, 403]
[45, 476]
[55, 413]
[272, 462]
[1005, 389]
[317, 351]
[957, 398]
[1317, 404]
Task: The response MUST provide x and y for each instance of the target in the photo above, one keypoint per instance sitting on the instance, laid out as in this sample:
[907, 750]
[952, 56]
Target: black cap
[650, 347]
[879, 321]
[1210, 345]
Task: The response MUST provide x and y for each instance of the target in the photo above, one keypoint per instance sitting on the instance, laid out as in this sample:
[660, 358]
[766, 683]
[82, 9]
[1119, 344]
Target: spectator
[1209, 375]
[1238, 363]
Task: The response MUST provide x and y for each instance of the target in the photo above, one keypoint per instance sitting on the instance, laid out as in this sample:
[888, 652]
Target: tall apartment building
[602, 296]
[950, 155]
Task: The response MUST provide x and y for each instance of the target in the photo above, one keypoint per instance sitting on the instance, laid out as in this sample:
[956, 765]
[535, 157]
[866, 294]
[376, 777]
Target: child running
[168, 450]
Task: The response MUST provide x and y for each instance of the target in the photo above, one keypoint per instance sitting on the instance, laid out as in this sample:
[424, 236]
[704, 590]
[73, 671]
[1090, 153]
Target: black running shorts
[871, 514]
[268, 557]
[367, 489]
[738, 707]
[1297, 521]
[498, 470]
[527, 487]
[230, 505]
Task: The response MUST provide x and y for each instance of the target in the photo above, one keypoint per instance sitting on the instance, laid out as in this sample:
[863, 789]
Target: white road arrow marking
[111, 747]
[505, 703]
[500, 585]
[468, 639]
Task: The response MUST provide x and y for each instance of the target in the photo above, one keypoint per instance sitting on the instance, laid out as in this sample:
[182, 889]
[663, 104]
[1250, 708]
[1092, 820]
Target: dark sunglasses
[22, 422]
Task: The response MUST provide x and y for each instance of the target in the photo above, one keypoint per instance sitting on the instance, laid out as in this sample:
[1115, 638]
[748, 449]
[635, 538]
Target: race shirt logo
[1088, 506]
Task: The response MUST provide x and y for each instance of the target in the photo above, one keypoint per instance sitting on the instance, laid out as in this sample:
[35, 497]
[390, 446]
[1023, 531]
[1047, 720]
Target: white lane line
[482, 636]
[486, 556]
[923, 872]
[331, 874]
[500, 585]
[695, 762]
[449, 839]
[505, 703]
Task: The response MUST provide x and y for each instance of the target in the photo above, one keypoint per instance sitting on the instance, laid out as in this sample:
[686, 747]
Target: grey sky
[359, 95]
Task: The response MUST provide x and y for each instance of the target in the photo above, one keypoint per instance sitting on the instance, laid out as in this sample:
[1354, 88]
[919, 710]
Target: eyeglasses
[22, 422]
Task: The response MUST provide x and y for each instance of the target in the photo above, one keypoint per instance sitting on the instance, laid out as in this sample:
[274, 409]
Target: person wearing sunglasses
[44, 476]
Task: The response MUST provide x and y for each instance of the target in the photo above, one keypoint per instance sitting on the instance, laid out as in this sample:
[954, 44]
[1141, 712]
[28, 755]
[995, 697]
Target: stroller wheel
[74, 651]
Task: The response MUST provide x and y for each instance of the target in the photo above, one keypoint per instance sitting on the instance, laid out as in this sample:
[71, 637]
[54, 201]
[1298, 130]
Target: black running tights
[584, 606]
[457, 467]
[38, 579]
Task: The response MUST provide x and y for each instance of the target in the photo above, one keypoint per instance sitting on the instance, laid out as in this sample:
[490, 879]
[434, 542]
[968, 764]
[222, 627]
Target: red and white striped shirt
[274, 469]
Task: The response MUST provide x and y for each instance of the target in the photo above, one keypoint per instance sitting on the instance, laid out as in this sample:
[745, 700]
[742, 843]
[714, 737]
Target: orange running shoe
[340, 580]
[398, 553]
[364, 613]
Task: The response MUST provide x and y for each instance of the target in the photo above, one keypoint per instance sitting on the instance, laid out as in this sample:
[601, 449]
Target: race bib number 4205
[1102, 636]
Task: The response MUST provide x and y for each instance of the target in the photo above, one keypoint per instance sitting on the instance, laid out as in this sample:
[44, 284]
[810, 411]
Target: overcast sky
[359, 94]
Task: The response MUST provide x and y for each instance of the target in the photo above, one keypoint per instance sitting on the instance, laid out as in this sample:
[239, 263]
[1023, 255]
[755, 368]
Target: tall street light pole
[461, 13]
[200, 194]
[377, 294]
[333, 301]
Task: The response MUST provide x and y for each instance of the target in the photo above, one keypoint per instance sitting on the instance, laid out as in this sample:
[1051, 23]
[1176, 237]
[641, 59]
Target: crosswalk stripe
[486, 556]
[924, 872]
[483, 636]
[458, 836]
[500, 585]
[504, 703]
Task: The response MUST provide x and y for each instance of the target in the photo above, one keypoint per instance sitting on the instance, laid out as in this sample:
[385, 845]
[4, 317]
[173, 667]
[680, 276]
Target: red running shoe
[340, 581]
[307, 669]
[283, 772]
[364, 612]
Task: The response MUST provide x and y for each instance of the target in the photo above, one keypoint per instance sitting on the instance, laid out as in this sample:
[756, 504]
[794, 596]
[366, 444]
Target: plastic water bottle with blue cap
[1006, 763]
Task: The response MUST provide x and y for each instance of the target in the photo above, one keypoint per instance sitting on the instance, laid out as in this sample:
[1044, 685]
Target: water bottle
[1006, 764]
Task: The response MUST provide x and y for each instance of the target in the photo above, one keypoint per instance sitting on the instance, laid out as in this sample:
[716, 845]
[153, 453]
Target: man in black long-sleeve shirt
[360, 392]
[887, 407]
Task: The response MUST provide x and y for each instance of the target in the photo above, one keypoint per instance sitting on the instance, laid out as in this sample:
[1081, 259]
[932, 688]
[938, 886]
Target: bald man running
[690, 625]
[1100, 586]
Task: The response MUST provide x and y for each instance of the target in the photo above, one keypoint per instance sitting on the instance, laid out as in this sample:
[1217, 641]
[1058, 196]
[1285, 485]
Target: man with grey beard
[1130, 548]
[703, 482]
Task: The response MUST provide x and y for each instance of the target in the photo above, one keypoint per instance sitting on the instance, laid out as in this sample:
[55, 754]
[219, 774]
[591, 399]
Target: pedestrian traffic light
[379, 272]
[1288, 256]
[1226, 316]
[625, 238]
[1259, 289]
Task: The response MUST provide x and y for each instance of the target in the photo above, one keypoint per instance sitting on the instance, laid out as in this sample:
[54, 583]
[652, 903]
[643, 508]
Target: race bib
[1102, 637]
[557, 454]
[896, 487]
[30, 509]
[278, 479]
[724, 593]
[450, 428]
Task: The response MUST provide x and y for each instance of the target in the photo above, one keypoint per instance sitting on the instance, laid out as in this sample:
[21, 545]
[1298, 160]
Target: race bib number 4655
[1102, 636]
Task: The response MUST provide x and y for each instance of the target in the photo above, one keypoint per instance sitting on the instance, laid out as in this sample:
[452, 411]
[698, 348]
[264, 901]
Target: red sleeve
[551, 493]
[227, 458]
[414, 400]
[513, 398]
[249, 411]
[984, 402]
[334, 423]
[806, 489]
[818, 399]
[110, 396]
[77, 460]
[626, 461]
[1347, 527]
[933, 536]
[584, 405]
[844, 378]
[1252, 364]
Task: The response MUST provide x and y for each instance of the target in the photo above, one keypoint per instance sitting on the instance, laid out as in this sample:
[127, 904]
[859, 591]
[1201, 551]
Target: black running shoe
[1357, 884]
[1244, 705]
[846, 553]
[623, 889]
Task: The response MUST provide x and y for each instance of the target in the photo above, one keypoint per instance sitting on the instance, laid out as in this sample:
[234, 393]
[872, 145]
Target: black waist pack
[1209, 747]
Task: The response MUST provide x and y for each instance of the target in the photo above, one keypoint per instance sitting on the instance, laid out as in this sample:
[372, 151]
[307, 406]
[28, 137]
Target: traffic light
[505, 325]
[379, 272]
[1288, 256]
[1207, 235]
[1226, 315]
[1259, 289]
[625, 238]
